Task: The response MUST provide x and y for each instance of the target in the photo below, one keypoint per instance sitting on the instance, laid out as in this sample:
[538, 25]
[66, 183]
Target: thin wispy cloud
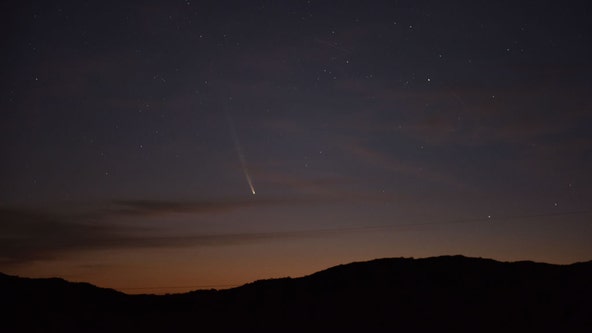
[31, 234]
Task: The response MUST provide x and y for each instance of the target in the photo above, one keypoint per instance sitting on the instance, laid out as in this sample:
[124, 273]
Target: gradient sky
[368, 129]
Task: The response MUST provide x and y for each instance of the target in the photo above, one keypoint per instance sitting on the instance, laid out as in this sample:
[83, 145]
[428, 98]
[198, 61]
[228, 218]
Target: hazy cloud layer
[157, 207]
[28, 234]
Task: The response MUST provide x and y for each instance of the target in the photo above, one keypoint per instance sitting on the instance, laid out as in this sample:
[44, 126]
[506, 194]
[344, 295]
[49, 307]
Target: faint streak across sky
[241, 155]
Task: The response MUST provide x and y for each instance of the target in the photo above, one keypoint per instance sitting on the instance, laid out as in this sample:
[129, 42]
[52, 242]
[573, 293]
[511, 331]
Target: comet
[241, 155]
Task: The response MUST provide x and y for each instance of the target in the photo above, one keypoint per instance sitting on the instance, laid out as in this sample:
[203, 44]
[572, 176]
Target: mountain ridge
[448, 292]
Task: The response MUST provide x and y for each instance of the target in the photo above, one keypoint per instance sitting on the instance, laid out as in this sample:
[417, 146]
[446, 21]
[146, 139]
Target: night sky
[163, 146]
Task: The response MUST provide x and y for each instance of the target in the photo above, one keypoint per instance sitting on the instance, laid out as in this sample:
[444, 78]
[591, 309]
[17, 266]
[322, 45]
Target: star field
[216, 142]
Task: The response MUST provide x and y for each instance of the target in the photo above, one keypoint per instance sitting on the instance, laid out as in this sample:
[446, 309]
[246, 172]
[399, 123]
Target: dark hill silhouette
[451, 293]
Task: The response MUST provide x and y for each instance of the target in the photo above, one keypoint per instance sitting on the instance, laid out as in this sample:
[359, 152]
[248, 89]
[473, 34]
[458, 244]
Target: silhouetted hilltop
[450, 293]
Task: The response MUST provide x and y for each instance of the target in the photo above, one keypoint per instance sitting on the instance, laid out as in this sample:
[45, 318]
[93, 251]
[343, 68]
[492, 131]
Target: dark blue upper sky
[469, 123]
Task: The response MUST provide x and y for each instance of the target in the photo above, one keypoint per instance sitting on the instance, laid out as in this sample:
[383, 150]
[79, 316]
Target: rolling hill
[449, 293]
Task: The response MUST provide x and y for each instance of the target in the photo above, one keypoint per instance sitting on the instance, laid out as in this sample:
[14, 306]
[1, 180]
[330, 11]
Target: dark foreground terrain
[396, 295]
